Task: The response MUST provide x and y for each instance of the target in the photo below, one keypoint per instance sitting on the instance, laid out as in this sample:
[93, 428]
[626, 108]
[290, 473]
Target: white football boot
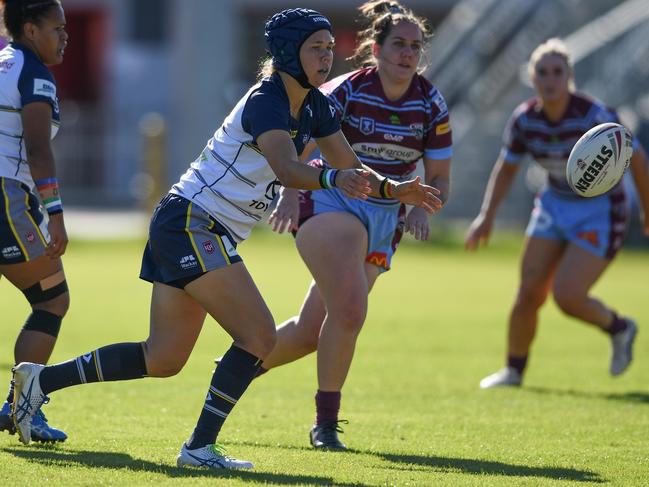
[622, 348]
[507, 376]
[209, 456]
[28, 398]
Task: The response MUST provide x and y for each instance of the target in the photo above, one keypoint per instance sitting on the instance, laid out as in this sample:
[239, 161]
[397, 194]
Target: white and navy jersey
[231, 179]
[24, 79]
[549, 143]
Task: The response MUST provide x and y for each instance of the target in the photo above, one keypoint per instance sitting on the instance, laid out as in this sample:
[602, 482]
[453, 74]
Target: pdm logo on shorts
[11, 252]
[188, 262]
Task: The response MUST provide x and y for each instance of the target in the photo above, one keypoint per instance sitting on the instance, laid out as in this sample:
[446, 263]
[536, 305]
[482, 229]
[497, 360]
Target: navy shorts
[184, 243]
[23, 226]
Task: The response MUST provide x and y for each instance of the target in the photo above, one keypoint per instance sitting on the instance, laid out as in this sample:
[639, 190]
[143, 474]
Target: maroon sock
[517, 363]
[327, 405]
[618, 325]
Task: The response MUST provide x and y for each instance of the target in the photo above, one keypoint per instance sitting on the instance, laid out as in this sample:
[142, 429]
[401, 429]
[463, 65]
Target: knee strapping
[36, 294]
[44, 321]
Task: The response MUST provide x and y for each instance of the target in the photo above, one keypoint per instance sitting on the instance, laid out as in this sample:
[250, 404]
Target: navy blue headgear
[285, 33]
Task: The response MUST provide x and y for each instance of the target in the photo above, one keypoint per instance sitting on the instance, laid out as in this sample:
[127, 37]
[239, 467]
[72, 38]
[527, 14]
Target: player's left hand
[415, 193]
[417, 224]
[354, 183]
[58, 237]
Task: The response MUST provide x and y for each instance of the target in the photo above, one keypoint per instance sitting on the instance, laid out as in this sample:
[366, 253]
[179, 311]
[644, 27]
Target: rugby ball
[598, 160]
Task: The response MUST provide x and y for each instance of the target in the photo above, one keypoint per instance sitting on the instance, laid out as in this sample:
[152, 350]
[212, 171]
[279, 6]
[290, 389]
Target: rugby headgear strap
[285, 33]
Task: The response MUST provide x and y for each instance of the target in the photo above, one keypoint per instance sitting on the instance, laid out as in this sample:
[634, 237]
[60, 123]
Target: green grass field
[416, 416]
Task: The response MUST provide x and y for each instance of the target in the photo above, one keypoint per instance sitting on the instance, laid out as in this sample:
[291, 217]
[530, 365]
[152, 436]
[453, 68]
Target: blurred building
[190, 60]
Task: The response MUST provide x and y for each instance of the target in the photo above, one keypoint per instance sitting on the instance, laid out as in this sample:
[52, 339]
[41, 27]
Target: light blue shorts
[384, 222]
[597, 225]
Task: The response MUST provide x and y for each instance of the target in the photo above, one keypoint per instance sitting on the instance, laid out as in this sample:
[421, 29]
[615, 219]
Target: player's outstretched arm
[279, 151]
[339, 154]
[640, 173]
[500, 181]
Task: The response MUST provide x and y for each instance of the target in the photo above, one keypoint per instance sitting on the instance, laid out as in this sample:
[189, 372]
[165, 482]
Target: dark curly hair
[16, 13]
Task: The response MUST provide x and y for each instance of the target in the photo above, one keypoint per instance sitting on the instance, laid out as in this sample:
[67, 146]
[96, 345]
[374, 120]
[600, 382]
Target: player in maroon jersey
[392, 118]
[570, 240]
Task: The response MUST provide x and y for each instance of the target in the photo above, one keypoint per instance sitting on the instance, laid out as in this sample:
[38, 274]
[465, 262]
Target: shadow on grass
[487, 467]
[635, 397]
[51, 455]
[457, 465]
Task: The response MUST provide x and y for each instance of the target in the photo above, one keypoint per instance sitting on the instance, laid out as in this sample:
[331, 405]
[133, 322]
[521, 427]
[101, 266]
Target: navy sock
[517, 363]
[230, 380]
[121, 361]
[618, 325]
[327, 405]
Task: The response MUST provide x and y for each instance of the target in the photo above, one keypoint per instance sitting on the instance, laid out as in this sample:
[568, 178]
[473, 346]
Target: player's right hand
[58, 237]
[354, 183]
[478, 233]
[286, 214]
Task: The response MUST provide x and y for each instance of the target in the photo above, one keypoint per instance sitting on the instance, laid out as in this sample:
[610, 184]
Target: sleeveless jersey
[549, 143]
[24, 79]
[231, 179]
[391, 136]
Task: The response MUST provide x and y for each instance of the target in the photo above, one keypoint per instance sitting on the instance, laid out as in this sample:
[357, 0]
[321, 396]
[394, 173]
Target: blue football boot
[39, 430]
[6, 423]
[43, 432]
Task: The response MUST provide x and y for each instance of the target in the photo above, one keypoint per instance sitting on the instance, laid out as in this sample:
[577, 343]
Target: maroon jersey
[390, 136]
[549, 143]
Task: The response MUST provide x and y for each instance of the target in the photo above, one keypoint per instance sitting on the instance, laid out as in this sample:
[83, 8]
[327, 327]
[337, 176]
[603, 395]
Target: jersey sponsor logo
[272, 189]
[230, 249]
[188, 262]
[366, 126]
[417, 130]
[6, 65]
[393, 137]
[293, 133]
[443, 128]
[387, 152]
[44, 87]
[208, 246]
[378, 258]
[11, 252]
[394, 119]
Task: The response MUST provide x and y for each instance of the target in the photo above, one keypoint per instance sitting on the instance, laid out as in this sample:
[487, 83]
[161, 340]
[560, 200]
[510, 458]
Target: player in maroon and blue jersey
[393, 118]
[571, 240]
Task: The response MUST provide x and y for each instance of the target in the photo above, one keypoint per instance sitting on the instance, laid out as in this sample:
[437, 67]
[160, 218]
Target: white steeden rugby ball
[598, 160]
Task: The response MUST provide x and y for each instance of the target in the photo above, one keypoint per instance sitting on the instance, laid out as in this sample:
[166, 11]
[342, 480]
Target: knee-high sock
[230, 380]
[121, 361]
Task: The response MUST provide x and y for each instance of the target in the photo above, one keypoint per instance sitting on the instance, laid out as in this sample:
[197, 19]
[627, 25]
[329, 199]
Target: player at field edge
[570, 240]
[32, 231]
[191, 256]
[393, 118]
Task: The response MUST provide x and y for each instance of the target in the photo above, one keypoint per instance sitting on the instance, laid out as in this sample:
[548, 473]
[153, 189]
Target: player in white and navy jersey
[393, 118]
[571, 240]
[32, 231]
[191, 255]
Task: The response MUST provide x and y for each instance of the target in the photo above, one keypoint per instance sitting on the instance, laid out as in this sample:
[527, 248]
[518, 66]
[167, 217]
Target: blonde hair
[381, 16]
[266, 68]
[551, 47]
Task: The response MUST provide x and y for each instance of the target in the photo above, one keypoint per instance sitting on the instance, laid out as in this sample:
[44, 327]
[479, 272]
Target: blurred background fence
[181, 64]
